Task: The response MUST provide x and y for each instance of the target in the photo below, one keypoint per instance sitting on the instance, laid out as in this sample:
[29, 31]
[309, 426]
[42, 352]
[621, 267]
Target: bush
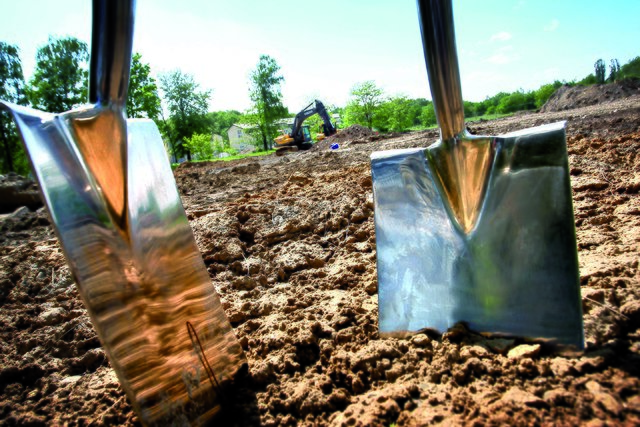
[200, 146]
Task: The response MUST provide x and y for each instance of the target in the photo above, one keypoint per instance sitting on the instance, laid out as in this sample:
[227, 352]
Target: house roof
[242, 126]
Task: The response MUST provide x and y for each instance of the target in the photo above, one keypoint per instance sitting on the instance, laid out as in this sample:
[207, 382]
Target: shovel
[475, 229]
[110, 192]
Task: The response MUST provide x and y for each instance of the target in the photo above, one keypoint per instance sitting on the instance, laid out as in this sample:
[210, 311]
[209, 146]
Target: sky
[325, 47]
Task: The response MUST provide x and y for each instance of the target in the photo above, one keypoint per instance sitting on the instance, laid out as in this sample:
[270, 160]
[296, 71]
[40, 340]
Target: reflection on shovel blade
[514, 273]
[111, 194]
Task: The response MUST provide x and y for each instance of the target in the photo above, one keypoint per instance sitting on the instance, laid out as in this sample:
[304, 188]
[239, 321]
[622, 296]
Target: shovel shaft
[439, 44]
[111, 44]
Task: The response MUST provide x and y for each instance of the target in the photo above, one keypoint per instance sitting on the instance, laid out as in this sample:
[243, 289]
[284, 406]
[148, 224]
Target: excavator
[298, 139]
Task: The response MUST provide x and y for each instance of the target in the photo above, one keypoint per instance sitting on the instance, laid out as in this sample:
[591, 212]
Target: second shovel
[475, 229]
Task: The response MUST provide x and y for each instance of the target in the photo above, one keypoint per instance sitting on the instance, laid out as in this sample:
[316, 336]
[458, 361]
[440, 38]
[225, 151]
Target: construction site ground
[289, 243]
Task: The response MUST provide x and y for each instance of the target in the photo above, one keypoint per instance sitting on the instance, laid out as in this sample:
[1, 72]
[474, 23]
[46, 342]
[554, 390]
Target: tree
[469, 109]
[11, 89]
[200, 145]
[142, 100]
[187, 110]
[219, 122]
[543, 94]
[264, 92]
[516, 101]
[428, 115]
[366, 98]
[397, 114]
[614, 70]
[60, 80]
[600, 70]
[631, 69]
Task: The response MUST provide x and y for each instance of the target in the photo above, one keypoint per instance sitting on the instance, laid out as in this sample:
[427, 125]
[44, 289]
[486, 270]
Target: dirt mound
[17, 191]
[353, 134]
[289, 243]
[570, 97]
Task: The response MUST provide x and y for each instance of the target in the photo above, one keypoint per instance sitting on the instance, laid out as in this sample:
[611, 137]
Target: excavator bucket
[110, 192]
[475, 229]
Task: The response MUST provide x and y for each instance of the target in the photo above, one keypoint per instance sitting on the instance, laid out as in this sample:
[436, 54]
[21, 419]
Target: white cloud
[553, 25]
[501, 36]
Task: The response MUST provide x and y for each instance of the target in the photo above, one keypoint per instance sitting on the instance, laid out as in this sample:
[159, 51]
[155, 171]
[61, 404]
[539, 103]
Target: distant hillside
[569, 97]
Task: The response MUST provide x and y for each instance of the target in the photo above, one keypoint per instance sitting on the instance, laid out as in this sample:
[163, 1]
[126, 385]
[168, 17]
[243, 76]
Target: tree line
[60, 83]
[369, 106]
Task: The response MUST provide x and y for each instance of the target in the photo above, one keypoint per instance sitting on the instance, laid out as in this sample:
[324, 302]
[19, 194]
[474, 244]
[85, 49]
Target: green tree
[14, 158]
[187, 110]
[428, 115]
[399, 113]
[264, 92]
[142, 100]
[543, 94]
[614, 70]
[60, 80]
[200, 146]
[365, 101]
[631, 69]
[220, 121]
[469, 109]
[600, 71]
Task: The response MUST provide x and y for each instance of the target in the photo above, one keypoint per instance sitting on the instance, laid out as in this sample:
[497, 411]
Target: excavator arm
[296, 136]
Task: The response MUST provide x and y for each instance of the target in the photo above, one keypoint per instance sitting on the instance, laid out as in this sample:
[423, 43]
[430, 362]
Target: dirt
[570, 97]
[354, 134]
[289, 244]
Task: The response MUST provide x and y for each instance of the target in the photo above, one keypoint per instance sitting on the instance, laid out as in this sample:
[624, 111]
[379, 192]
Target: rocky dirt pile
[570, 97]
[17, 191]
[289, 244]
[354, 134]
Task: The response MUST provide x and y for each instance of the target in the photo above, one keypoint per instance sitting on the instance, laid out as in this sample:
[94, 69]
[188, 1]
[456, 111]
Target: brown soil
[567, 98]
[289, 243]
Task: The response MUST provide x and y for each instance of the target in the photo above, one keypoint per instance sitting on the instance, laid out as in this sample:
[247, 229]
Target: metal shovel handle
[111, 44]
[439, 44]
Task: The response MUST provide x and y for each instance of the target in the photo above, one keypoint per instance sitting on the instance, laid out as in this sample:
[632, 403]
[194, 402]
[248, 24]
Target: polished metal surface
[475, 229]
[112, 197]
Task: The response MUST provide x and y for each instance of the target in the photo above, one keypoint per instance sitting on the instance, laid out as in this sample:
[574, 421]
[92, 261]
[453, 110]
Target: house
[240, 139]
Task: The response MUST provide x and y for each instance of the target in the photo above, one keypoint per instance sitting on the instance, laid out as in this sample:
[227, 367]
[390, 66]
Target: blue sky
[325, 47]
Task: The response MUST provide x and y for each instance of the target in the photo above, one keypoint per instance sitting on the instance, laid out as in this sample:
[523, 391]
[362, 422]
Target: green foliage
[187, 110]
[220, 121]
[516, 101]
[14, 158]
[469, 108]
[60, 80]
[614, 71]
[363, 106]
[264, 92]
[428, 115]
[142, 100]
[589, 80]
[631, 69]
[395, 115]
[600, 71]
[200, 146]
[543, 93]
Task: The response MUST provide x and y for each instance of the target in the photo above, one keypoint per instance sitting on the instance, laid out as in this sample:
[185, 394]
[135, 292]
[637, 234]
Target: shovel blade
[135, 261]
[515, 273]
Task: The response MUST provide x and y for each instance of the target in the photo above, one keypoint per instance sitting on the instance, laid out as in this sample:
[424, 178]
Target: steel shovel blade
[514, 273]
[475, 229]
[135, 260]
